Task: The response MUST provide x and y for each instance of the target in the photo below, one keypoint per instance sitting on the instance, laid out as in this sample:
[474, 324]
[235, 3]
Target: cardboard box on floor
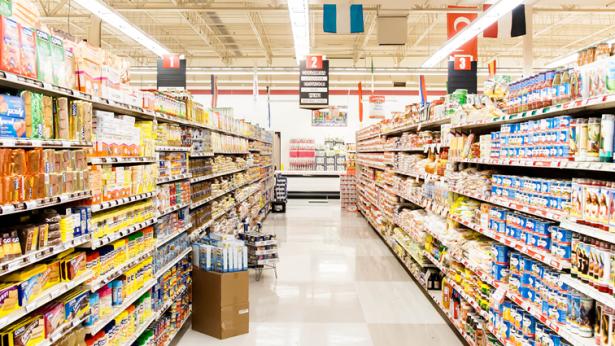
[220, 303]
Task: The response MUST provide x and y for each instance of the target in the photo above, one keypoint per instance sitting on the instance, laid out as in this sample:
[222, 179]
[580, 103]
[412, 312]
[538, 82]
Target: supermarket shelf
[214, 175]
[172, 262]
[117, 310]
[115, 160]
[579, 106]
[267, 261]
[436, 303]
[231, 152]
[435, 262]
[162, 241]
[380, 150]
[424, 203]
[121, 201]
[172, 209]
[99, 282]
[588, 290]
[164, 180]
[171, 148]
[588, 230]
[534, 253]
[262, 243]
[176, 331]
[370, 136]
[310, 173]
[61, 331]
[22, 83]
[265, 252]
[423, 176]
[559, 329]
[551, 215]
[484, 314]
[424, 125]
[408, 150]
[211, 198]
[44, 143]
[485, 277]
[169, 302]
[371, 165]
[557, 164]
[23, 261]
[44, 298]
[96, 243]
[437, 299]
[204, 154]
[142, 328]
[20, 207]
[266, 153]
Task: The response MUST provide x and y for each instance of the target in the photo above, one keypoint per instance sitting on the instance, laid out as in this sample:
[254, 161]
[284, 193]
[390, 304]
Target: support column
[528, 41]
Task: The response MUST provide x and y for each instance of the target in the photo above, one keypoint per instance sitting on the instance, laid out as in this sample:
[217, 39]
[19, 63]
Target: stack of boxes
[331, 156]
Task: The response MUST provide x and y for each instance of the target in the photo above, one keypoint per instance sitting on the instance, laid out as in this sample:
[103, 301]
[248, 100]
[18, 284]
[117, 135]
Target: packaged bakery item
[33, 103]
[54, 316]
[28, 52]
[9, 298]
[27, 332]
[60, 115]
[10, 47]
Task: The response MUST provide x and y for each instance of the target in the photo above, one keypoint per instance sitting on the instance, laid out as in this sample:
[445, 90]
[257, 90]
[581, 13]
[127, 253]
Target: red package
[10, 46]
[28, 52]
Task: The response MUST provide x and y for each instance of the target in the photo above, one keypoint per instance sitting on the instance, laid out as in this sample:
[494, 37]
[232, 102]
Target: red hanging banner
[456, 22]
[360, 93]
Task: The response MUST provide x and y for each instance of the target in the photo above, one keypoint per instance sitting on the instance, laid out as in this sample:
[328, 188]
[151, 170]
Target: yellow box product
[9, 298]
[76, 305]
[52, 273]
[67, 227]
[28, 332]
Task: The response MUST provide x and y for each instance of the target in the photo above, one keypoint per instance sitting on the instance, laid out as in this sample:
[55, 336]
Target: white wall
[293, 122]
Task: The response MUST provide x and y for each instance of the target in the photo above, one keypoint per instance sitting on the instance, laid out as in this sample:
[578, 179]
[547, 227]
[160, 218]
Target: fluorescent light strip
[491, 16]
[111, 17]
[298, 11]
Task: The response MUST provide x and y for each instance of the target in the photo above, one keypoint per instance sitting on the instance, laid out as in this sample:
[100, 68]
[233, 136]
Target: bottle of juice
[565, 86]
[547, 98]
[555, 87]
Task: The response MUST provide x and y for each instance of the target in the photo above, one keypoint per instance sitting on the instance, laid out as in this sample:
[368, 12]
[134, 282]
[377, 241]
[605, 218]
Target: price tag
[47, 86]
[63, 198]
[31, 204]
[11, 77]
[36, 143]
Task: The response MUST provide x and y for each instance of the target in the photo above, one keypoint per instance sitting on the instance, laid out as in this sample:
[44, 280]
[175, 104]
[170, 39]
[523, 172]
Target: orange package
[10, 46]
[28, 52]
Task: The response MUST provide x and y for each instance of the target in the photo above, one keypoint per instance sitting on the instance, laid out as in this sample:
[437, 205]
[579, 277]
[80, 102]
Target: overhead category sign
[171, 73]
[314, 82]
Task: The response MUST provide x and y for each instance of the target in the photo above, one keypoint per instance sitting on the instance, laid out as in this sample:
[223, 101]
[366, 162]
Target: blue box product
[12, 117]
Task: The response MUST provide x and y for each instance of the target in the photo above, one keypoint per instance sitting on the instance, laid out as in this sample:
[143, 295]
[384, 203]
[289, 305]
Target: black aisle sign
[462, 79]
[171, 73]
[314, 83]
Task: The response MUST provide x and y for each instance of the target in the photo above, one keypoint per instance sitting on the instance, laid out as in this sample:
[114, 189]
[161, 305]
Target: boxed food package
[6, 8]
[89, 61]
[58, 61]
[10, 56]
[43, 56]
[30, 331]
[33, 103]
[70, 65]
[9, 298]
[12, 117]
[28, 52]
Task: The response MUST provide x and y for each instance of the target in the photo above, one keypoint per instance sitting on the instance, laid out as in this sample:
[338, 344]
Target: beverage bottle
[565, 86]
[555, 87]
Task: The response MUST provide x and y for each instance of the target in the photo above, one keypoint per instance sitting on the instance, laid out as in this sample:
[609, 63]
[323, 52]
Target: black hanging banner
[462, 79]
[171, 73]
[314, 83]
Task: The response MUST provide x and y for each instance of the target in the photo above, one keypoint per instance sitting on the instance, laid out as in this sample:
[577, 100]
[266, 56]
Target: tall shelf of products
[100, 202]
[511, 204]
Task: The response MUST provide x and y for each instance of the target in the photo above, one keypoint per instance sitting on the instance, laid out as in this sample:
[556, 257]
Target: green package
[37, 116]
[43, 57]
[57, 59]
[6, 8]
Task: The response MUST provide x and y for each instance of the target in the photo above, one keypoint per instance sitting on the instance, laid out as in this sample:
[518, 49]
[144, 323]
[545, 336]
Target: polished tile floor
[338, 284]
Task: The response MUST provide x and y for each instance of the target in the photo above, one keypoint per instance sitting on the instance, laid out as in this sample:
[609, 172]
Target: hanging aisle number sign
[314, 82]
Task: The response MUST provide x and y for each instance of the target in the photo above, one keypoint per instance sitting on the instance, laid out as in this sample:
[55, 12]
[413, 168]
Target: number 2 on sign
[313, 62]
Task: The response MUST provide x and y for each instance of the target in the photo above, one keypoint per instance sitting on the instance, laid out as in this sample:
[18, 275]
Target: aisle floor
[338, 284]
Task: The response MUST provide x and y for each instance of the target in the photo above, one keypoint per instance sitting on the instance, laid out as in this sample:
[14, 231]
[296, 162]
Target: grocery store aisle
[338, 285]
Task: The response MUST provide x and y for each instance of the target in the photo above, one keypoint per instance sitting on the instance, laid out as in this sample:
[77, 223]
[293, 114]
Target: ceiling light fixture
[298, 11]
[491, 16]
[111, 17]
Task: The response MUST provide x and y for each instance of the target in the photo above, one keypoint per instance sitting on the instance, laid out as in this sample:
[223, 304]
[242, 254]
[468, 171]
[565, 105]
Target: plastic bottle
[565, 86]
[555, 88]
[593, 140]
[607, 129]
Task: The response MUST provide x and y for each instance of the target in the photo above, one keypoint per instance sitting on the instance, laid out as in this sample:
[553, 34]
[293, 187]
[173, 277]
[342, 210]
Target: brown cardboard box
[220, 303]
